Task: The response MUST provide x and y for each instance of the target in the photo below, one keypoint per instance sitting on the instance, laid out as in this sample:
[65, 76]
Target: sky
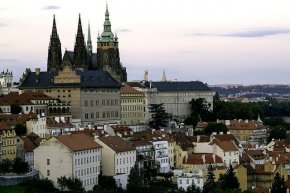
[214, 41]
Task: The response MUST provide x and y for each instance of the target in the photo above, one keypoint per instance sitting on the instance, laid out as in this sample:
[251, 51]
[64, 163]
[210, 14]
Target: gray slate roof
[172, 86]
[89, 79]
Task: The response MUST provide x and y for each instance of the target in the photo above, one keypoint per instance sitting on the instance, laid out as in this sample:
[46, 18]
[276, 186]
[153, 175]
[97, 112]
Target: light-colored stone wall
[37, 126]
[100, 105]
[53, 159]
[133, 109]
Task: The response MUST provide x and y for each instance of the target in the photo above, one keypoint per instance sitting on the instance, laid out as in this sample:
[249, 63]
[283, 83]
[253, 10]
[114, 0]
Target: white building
[118, 157]
[228, 151]
[75, 156]
[186, 180]
[6, 81]
[161, 155]
[37, 125]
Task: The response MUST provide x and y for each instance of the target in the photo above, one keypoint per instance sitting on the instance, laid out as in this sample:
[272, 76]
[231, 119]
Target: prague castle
[107, 57]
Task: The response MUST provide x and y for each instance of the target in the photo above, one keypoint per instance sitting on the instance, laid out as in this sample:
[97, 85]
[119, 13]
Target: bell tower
[108, 58]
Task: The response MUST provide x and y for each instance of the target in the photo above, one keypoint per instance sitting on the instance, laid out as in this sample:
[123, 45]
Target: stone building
[93, 95]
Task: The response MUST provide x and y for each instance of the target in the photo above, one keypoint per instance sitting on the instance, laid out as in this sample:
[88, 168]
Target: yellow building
[9, 145]
[132, 106]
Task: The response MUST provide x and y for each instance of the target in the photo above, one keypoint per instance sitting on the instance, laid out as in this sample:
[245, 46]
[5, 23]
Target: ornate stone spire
[163, 76]
[89, 42]
[54, 50]
[80, 52]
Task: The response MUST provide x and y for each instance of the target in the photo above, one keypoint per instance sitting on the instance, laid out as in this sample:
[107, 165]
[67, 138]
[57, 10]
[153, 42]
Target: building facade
[75, 156]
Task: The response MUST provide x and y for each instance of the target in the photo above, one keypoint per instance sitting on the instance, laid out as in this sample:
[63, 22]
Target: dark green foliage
[159, 116]
[135, 179]
[20, 129]
[74, 185]
[200, 109]
[229, 180]
[192, 120]
[278, 132]
[107, 182]
[19, 166]
[1, 111]
[39, 186]
[215, 127]
[210, 185]
[16, 109]
[279, 184]
[5, 166]
[193, 189]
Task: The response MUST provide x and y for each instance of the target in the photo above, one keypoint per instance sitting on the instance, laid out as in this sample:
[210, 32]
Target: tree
[159, 116]
[74, 185]
[215, 127]
[15, 109]
[135, 179]
[200, 109]
[5, 166]
[20, 129]
[192, 120]
[229, 180]
[279, 184]
[278, 132]
[107, 182]
[19, 166]
[210, 185]
[193, 189]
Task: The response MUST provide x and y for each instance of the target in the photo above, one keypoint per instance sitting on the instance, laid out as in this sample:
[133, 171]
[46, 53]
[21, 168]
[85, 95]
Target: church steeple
[54, 49]
[89, 42]
[107, 34]
[80, 52]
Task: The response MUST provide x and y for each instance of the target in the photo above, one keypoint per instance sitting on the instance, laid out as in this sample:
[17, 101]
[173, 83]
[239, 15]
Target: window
[48, 172]
[85, 103]
[48, 162]
[86, 116]
[97, 115]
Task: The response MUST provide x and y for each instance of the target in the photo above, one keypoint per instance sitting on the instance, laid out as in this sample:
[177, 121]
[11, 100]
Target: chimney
[246, 121]
[37, 71]
[186, 157]
[221, 133]
[213, 157]
[203, 158]
[198, 138]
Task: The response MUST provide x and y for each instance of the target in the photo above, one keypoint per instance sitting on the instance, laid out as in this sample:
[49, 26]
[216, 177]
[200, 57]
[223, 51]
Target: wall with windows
[9, 144]
[100, 105]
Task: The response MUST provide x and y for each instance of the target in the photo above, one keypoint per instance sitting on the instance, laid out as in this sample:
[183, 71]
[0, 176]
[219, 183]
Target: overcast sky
[215, 41]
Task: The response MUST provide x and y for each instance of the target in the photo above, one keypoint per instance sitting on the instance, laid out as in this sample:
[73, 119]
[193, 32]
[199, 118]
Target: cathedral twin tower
[106, 59]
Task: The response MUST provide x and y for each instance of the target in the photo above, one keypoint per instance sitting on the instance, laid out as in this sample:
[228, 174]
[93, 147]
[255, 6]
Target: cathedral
[107, 57]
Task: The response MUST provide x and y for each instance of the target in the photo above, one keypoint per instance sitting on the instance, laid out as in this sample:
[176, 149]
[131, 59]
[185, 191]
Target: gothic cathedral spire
[54, 49]
[80, 52]
[89, 42]
[108, 58]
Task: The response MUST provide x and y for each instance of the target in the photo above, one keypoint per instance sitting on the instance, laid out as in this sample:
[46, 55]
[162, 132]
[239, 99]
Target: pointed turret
[80, 52]
[163, 76]
[107, 34]
[89, 42]
[54, 49]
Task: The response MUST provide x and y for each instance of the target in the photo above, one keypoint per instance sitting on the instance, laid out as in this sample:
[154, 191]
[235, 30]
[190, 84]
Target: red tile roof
[197, 159]
[78, 142]
[117, 143]
[129, 90]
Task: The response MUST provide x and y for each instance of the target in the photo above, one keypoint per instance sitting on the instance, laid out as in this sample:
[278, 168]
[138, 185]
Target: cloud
[188, 52]
[3, 45]
[2, 9]
[122, 30]
[8, 60]
[50, 7]
[3, 24]
[251, 33]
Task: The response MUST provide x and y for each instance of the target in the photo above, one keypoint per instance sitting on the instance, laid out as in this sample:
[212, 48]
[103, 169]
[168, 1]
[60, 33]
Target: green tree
[135, 179]
[215, 127]
[192, 120]
[159, 116]
[279, 184]
[193, 189]
[107, 182]
[20, 129]
[16, 109]
[210, 185]
[19, 166]
[229, 180]
[200, 109]
[278, 132]
[5, 166]
[74, 185]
